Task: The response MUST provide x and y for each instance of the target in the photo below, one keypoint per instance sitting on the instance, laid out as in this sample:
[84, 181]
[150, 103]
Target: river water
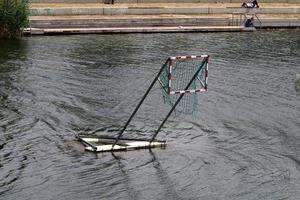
[243, 143]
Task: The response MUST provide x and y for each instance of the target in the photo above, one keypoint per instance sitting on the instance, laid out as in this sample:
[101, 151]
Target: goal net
[176, 75]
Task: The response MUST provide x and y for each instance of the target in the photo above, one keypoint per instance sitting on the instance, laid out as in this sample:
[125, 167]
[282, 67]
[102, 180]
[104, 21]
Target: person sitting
[249, 22]
[253, 4]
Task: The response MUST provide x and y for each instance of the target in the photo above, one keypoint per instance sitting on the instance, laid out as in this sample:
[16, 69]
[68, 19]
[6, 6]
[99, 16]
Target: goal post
[177, 73]
[180, 76]
[187, 89]
[189, 65]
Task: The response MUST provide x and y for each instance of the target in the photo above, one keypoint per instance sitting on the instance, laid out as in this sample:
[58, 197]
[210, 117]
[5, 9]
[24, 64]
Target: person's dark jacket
[249, 23]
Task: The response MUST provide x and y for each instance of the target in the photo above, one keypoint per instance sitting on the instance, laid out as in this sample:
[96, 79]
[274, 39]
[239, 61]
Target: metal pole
[140, 103]
[85, 142]
[178, 100]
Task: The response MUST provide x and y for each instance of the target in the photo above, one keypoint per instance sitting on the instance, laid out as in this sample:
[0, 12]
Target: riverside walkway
[68, 18]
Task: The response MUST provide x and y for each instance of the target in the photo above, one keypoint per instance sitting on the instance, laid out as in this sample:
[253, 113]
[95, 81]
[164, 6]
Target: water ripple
[242, 144]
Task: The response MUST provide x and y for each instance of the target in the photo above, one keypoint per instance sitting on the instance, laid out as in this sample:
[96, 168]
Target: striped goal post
[177, 73]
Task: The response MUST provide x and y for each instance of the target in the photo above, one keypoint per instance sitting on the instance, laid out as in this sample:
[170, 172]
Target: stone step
[132, 22]
[36, 31]
[160, 1]
[124, 10]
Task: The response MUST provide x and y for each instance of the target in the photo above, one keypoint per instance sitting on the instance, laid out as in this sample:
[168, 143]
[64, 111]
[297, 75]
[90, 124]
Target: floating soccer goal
[181, 78]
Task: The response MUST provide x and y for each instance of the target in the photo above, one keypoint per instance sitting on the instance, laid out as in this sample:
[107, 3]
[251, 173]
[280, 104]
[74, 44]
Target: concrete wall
[137, 22]
[163, 1]
[152, 11]
[156, 22]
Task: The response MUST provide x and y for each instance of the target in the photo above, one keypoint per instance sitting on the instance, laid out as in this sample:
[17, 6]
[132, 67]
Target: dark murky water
[244, 143]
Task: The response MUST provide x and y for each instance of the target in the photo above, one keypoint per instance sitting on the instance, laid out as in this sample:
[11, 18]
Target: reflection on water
[297, 84]
[242, 144]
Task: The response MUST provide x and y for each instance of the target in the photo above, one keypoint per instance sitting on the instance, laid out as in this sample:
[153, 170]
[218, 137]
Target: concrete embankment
[67, 18]
[160, 1]
[157, 9]
[66, 31]
[131, 24]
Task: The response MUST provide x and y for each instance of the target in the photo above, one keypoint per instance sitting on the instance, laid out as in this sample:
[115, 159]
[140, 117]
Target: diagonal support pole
[178, 100]
[139, 105]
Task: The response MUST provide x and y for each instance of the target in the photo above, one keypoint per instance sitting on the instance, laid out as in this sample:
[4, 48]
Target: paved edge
[35, 31]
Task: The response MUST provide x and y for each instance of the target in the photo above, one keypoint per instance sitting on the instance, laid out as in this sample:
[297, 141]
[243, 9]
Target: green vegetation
[13, 17]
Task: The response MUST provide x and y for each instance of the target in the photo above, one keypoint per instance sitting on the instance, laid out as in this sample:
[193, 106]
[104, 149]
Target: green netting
[183, 71]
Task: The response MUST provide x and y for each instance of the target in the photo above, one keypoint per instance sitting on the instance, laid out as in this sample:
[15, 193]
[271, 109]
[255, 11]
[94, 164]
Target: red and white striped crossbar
[170, 74]
[187, 91]
[188, 57]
